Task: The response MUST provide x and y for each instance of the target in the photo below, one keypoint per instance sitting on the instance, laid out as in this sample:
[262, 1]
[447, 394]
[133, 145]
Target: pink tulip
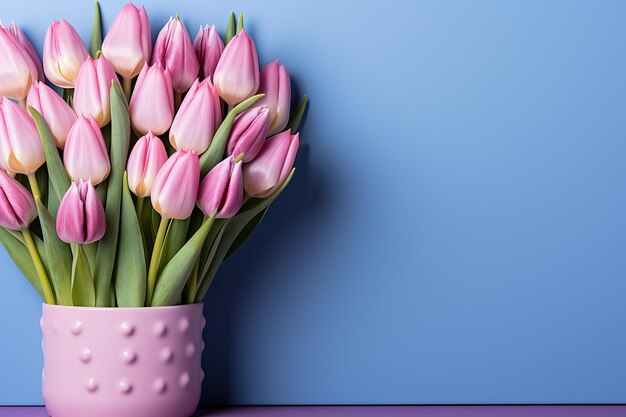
[56, 112]
[93, 89]
[28, 47]
[63, 54]
[128, 43]
[237, 73]
[263, 176]
[276, 85]
[18, 71]
[20, 147]
[17, 206]
[175, 187]
[81, 217]
[248, 133]
[146, 159]
[197, 119]
[85, 155]
[174, 50]
[152, 102]
[221, 191]
[209, 47]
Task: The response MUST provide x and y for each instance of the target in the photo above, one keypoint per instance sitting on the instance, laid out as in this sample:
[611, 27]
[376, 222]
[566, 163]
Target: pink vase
[122, 362]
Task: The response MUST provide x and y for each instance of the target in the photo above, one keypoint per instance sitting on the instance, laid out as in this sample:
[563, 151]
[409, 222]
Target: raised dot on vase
[159, 328]
[159, 385]
[77, 328]
[190, 349]
[183, 325]
[201, 375]
[91, 385]
[42, 345]
[202, 322]
[85, 355]
[202, 346]
[127, 328]
[129, 356]
[41, 323]
[167, 355]
[184, 380]
[124, 386]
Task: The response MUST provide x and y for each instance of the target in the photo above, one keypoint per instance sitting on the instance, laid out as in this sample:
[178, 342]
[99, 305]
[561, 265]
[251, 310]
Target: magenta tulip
[17, 206]
[209, 47]
[197, 119]
[85, 155]
[221, 191]
[18, 71]
[152, 102]
[174, 50]
[175, 187]
[56, 112]
[63, 54]
[81, 218]
[20, 147]
[248, 133]
[237, 73]
[263, 176]
[146, 159]
[28, 47]
[276, 85]
[93, 89]
[128, 43]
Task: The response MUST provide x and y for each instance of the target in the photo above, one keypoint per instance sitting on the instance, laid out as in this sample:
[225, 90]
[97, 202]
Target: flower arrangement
[153, 165]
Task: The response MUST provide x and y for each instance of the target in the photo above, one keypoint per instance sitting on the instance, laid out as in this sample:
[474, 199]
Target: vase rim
[156, 308]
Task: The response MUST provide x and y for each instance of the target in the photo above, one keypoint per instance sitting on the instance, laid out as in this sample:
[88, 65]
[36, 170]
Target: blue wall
[456, 232]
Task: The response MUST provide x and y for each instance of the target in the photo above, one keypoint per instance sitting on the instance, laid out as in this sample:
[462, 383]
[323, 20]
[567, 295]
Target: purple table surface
[385, 411]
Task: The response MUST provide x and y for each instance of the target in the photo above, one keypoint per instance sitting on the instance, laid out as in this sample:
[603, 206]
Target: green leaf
[174, 240]
[215, 153]
[95, 41]
[59, 257]
[18, 252]
[246, 232]
[230, 28]
[296, 117]
[107, 247]
[232, 229]
[130, 270]
[240, 23]
[172, 280]
[83, 292]
[56, 171]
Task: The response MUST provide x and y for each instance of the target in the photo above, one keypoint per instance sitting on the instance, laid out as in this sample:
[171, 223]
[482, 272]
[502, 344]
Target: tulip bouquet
[194, 127]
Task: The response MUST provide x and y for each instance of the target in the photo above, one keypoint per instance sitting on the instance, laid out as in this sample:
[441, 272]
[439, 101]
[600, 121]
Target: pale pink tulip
[237, 73]
[17, 206]
[209, 47]
[197, 119]
[20, 146]
[63, 54]
[276, 85]
[266, 173]
[56, 112]
[93, 89]
[221, 190]
[81, 218]
[152, 102]
[18, 71]
[85, 155]
[128, 43]
[175, 187]
[174, 50]
[248, 133]
[146, 159]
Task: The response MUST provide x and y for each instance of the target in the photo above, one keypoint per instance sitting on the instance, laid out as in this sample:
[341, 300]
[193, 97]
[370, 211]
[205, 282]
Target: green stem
[193, 283]
[34, 187]
[154, 260]
[139, 207]
[41, 271]
[127, 86]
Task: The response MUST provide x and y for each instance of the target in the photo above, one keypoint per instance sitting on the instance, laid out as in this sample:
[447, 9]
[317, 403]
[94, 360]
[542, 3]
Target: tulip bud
[20, 147]
[197, 119]
[146, 159]
[17, 206]
[128, 43]
[56, 112]
[175, 187]
[18, 71]
[85, 155]
[93, 89]
[209, 47]
[28, 47]
[63, 54]
[221, 191]
[276, 85]
[152, 103]
[174, 50]
[237, 73]
[263, 176]
[81, 217]
[248, 133]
